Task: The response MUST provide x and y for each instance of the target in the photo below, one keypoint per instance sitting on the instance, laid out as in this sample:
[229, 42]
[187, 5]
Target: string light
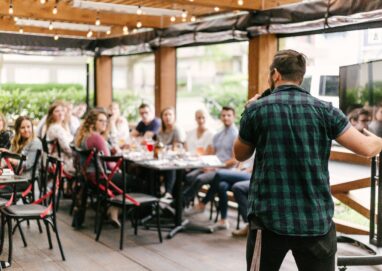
[89, 34]
[56, 37]
[108, 32]
[50, 26]
[15, 19]
[216, 9]
[184, 13]
[135, 30]
[139, 24]
[42, 2]
[54, 11]
[139, 10]
[193, 18]
[172, 19]
[125, 30]
[21, 30]
[184, 19]
[97, 21]
[10, 7]
[240, 2]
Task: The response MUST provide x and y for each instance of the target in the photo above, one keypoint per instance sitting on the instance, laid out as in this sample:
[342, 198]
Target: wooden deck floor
[187, 251]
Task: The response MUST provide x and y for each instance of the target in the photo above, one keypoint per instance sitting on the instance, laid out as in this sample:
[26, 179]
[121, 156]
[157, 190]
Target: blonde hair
[88, 124]
[18, 143]
[3, 119]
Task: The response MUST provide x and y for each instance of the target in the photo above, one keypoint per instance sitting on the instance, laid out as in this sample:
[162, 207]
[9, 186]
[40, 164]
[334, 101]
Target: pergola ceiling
[66, 12]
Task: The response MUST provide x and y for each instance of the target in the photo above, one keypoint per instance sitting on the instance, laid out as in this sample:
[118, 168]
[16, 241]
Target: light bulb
[42, 2]
[193, 18]
[139, 24]
[216, 9]
[10, 9]
[89, 34]
[54, 10]
[240, 2]
[139, 10]
[98, 21]
[184, 13]
[108, 32]
[50, 26]
[21, 30]
[125, 30]
[55, 37]
[172, 19]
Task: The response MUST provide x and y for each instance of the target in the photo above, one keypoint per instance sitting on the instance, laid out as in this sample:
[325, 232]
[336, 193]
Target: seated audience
[222, 144]
[240, 192]
[149, 125]
[359, 118]
[118, 127]
[5, 134]
[92, 134]
[170, 134]
[375, 125]
[79, 110]
[199, 140]
[56, 128]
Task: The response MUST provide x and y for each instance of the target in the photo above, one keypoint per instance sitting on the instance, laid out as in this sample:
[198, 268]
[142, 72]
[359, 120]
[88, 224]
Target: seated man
[225, 180]
[240, 192]
[359, 118]
[149, 125]
[222, 144]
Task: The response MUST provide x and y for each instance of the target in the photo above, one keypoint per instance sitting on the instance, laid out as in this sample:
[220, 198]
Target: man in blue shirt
[149, 125]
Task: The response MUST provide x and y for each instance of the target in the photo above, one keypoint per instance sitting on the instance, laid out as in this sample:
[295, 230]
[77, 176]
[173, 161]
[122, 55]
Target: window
[328, 85]
[306, 83]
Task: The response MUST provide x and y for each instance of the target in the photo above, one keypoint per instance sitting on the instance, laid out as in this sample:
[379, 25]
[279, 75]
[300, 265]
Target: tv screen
[360, 85]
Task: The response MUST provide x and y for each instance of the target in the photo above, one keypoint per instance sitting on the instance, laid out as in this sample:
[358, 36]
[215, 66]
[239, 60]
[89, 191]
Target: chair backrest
[51, 146]
[83, 159]
[53, 169]
[108, 166]
[20, 158]
[35, 167]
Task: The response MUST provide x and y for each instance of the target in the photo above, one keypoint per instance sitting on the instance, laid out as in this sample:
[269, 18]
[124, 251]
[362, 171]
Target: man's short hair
[229, 108]
[354, 115]
[290, 64]
[144, 105]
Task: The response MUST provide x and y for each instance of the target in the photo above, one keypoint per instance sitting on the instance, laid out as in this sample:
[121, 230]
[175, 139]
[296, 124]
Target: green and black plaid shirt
[292, 132]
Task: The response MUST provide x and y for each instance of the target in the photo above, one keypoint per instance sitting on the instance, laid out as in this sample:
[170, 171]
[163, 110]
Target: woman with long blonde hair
[25, 142]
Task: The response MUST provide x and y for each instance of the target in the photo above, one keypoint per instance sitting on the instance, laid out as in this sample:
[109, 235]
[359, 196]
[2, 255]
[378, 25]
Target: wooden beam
[260, 56]
[233, 5]
[354, 203]
[348, 186]
[165, 78]
[344, 155]
[103, 82]
[350, 228]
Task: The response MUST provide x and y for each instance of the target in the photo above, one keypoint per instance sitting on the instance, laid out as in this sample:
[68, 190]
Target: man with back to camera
[289, 197]
[149, 124]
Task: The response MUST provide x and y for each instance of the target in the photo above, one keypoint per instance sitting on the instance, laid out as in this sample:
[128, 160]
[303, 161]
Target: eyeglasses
[102, 120]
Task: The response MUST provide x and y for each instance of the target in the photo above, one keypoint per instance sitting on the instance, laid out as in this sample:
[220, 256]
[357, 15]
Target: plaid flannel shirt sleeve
[338, 122]
[249, 127]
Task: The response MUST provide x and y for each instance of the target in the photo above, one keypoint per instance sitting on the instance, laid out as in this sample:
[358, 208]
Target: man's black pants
[310, 253]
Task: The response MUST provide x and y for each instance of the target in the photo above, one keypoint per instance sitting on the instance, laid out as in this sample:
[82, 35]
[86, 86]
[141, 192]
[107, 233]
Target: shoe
[220, 226]
[167, 198]
[193, 211]
[241, 232]
[112, 213]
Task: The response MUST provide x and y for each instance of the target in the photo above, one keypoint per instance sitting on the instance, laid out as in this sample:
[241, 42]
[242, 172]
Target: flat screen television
[360, 85]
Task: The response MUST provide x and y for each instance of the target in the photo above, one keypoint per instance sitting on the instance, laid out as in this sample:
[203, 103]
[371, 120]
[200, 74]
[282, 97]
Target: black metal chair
[37, 210]
[111, 195]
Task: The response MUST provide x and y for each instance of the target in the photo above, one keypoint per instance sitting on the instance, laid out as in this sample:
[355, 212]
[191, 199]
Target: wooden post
[103, 81]
[260, 55]
[165, 78]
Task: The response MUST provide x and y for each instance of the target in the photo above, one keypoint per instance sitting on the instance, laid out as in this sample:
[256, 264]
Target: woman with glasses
[92, 134]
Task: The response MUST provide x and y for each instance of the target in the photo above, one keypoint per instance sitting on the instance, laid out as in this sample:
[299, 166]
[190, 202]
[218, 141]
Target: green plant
[34, 100]
[128, 103]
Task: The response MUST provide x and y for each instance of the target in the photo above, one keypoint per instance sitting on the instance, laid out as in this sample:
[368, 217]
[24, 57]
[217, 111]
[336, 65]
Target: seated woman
[55, 128]
[224, 181]
[5, 134]
[92, 134]
[170, 134]
[199, 140]
[25, 142]
[118, 127]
